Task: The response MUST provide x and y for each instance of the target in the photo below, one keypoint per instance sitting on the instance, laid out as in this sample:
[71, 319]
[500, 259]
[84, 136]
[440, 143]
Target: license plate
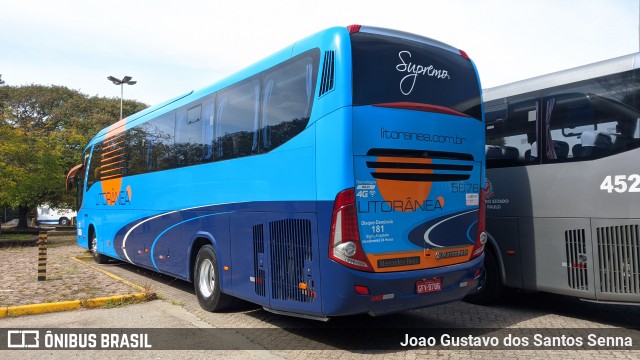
[428, 285]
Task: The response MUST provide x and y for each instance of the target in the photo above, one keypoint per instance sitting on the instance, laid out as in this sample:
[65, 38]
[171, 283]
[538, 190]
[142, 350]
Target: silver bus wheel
[206, 281]
[93, 246]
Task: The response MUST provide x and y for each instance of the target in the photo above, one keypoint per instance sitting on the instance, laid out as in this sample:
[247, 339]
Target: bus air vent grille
[328, 72]
[291, 256]
[619, 259]
[258, 253]
[419, 165]
[576, 251]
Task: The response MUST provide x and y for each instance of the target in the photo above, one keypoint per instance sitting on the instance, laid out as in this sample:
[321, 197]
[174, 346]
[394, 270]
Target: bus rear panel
[418, 169]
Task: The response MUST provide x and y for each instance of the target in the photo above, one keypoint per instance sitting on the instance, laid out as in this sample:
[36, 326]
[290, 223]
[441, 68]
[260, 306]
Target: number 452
[621, 183]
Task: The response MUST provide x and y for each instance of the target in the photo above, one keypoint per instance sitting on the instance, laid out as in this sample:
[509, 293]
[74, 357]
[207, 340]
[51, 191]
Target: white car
[48, 215]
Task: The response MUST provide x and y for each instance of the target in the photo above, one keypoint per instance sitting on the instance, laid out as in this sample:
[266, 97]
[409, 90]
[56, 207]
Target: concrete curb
[32, 309]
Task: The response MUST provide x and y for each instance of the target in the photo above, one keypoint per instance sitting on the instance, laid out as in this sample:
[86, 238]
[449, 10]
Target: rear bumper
[393, 292]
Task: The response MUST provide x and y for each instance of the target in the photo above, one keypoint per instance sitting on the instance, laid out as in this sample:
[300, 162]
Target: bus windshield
[424, 74]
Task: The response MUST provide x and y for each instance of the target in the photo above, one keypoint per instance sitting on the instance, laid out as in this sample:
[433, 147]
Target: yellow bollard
[42, 256]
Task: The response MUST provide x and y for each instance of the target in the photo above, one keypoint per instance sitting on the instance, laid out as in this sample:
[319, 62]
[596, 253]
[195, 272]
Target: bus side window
[586, 121]
[596, 144]
[237, 120]
[135, 151]
[288, 93]
[93, 175]
[189, 145]
[511, 133]
[160, 139]
[208, 117]
[566, 116]
[561, 149]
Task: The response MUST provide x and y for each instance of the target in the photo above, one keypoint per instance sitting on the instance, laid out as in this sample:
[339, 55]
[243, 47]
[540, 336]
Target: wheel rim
[94, 245]
[206, 278]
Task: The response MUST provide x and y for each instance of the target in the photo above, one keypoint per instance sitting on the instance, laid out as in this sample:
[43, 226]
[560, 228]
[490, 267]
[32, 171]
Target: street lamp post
[116, 81]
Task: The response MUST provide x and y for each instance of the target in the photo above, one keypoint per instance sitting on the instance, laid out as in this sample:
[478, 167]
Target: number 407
[621, 183]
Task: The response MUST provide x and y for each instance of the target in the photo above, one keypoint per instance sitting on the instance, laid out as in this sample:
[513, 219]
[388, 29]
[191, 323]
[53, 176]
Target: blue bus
[341, 175]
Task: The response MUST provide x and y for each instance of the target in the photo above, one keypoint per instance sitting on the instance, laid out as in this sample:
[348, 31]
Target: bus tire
[206, 281]
[64, 221]
[93, 246]
[490, 289]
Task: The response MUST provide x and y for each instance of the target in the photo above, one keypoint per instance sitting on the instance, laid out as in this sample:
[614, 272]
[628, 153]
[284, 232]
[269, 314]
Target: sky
[171, 47]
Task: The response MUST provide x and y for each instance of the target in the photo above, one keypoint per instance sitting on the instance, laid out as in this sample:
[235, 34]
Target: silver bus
[563, 184]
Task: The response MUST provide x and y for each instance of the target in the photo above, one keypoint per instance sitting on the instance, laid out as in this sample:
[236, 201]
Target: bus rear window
[388, 69]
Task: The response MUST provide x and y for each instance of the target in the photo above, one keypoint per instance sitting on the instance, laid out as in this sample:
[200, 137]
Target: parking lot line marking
[111, 275]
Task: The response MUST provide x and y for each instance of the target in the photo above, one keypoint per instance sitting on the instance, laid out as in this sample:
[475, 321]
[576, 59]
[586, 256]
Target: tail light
[464, 54]
[481, 237]
[353, 28]
[344, 244]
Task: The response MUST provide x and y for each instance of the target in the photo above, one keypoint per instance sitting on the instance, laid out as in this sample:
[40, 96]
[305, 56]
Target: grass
[116, 303]
[148, 293]
[17, 236]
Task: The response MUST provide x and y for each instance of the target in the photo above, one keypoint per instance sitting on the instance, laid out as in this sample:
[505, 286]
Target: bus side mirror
[71, 176]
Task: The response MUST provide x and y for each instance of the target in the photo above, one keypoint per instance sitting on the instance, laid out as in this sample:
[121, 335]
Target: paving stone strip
[66, 278]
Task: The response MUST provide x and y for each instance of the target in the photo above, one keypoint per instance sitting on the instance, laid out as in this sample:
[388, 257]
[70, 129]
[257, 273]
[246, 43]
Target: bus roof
[319, 38]
[590, 71]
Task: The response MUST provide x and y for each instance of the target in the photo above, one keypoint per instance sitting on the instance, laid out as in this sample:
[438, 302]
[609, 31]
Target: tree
[28, 165]
[43, 131]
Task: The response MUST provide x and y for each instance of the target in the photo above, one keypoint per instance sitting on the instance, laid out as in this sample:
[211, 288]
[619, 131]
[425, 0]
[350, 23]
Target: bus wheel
[93, 246]
[490, 289]
[64, 221]
[206, 280]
